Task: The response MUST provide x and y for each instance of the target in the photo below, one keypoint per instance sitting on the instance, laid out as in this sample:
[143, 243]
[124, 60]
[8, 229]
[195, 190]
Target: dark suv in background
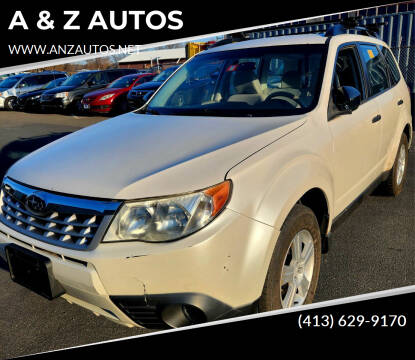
[68, 95]
[139, 95]
[30, 101]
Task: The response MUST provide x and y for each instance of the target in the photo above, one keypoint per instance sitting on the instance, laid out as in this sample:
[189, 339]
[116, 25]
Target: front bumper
[55, 104]
[135, 103]
[97, 106]
[27, 104]
[1, 102]
[219, 270]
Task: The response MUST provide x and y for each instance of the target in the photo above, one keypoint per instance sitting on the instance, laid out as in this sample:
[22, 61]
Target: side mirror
[347, 98]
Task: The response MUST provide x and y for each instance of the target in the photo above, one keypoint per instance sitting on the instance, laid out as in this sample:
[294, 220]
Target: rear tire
[295, 264]
[397, 176]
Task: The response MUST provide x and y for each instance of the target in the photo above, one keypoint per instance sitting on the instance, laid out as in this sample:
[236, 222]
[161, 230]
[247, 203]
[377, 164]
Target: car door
[391, 101]
[356, 135]
[25, 85]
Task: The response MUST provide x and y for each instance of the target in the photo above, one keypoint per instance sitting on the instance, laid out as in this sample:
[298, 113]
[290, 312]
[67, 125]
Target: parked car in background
[138, 95]
[113, 98]
[5, 76]
[19, 84]
[31, 100]
[68, 96]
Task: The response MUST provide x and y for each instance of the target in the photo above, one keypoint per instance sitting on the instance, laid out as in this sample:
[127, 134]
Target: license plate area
[33, 271]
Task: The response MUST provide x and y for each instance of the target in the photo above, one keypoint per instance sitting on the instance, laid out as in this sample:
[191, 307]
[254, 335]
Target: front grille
[69, 222]
[47, 97]
[137, 93]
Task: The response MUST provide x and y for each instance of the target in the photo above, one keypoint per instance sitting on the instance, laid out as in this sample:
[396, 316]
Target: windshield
[77, 79]
[123, 82]
[265, 81]
[53, 83]
[165, 74]
[10, 82]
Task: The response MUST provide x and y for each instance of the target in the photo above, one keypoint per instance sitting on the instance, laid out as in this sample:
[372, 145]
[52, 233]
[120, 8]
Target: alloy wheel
[297, 270]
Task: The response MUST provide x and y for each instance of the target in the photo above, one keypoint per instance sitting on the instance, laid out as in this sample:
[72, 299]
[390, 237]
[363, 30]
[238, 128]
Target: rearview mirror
[347, 98]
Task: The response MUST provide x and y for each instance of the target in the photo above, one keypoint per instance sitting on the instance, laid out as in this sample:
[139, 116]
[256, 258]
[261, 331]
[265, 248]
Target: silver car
[16, 85]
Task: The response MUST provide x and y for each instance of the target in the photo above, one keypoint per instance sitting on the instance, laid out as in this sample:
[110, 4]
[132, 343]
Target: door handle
[400, 102]
[376, 118]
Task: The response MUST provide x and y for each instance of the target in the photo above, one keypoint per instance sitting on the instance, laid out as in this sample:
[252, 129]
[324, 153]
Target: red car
[113, 97]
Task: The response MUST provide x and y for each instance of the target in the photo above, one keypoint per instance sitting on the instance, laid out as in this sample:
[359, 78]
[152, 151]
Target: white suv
[219, 195]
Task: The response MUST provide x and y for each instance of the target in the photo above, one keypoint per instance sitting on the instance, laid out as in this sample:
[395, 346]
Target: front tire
[397, 176]
[295, 264]
[9, 103]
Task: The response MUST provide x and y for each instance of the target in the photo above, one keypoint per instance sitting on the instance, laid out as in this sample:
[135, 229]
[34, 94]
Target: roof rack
[236, 37]
[352, 23]
[338, 28]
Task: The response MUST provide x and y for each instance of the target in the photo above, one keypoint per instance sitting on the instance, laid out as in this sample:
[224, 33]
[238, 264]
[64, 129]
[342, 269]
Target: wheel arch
[408, 132]
[317, 201]
[304, 180]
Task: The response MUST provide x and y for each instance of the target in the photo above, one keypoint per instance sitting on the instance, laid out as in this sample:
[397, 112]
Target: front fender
[267, 192]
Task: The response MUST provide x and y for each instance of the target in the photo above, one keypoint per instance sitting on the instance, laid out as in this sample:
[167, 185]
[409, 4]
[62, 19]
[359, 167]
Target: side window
[113, 75]
[377, 71]
[23, 83]
[347, 71]
[393, 68]
[43, 79]
[29, 81]
[144, 79]
[99, 79]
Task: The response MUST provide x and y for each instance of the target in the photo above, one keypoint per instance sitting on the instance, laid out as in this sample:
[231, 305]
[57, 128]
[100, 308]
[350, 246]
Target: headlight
[4, 94]
[105, 97]
[62, 95]
[169, 218]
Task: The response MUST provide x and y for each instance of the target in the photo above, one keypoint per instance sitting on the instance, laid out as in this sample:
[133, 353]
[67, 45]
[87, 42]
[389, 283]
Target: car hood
[4, 88]
[32, 93]
[61, 89]
[105, 91]
[151, 85]
[136, 156]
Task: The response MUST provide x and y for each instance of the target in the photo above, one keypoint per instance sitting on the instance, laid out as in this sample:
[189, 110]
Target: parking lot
[373, 250]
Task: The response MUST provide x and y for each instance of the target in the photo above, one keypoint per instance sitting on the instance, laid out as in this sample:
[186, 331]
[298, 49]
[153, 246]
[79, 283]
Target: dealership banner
[40, 31]
[371, 322]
